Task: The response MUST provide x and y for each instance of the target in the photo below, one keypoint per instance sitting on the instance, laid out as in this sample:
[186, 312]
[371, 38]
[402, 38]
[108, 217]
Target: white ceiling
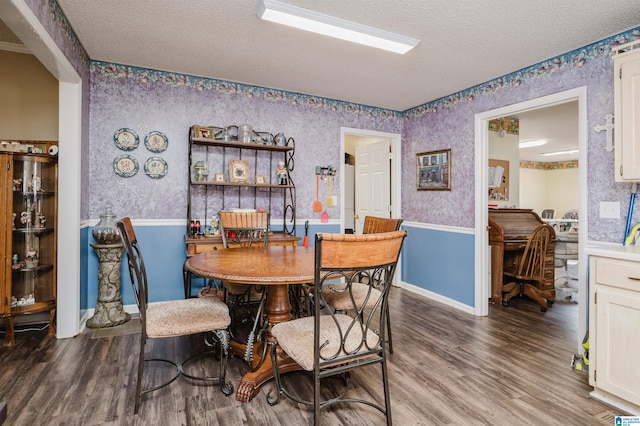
[462, 43]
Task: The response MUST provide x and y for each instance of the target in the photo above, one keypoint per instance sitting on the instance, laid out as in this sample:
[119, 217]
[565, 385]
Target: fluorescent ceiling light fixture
[308, 20]
[529, 144]
[569, 151]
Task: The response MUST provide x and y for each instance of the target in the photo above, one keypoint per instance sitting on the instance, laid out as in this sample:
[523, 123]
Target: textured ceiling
[462, 43]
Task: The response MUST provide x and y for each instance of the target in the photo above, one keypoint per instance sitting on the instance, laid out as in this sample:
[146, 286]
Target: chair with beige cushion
[335, 344]
[339, 299]
[208, 316]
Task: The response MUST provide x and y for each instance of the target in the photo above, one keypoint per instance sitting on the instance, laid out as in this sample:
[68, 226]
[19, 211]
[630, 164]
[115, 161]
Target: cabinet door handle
[634, 278]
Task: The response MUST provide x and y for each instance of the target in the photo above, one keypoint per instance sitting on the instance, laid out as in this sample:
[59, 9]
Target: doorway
[19, 17]
[349, 139]
[481, 211]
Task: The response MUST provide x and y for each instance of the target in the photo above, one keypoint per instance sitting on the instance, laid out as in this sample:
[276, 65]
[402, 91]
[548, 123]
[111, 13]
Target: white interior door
[373, 181]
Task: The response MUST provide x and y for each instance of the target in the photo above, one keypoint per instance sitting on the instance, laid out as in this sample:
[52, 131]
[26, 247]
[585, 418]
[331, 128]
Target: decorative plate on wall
[125, 165]
[156, 142]
[155, 167]
[126, 139]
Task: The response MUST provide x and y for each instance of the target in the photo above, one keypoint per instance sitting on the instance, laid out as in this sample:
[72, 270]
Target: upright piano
[509, 230]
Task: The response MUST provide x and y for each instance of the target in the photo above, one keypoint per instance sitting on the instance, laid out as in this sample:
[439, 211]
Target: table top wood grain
[272, 265]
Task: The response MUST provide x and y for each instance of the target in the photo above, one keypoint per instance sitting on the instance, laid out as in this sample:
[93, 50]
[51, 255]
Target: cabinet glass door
[33, 284]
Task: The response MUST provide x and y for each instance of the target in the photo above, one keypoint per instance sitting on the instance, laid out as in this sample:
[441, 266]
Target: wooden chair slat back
[376, 225]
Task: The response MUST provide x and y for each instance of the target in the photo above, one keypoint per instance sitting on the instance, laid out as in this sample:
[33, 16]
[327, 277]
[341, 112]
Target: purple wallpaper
[147, 100]
[448, 122]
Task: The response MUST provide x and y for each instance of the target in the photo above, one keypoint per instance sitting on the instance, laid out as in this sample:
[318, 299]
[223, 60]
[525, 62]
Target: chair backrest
[242, 229]
[376, 225]
[534, 258]
[137, 270]
[548, 213]
[340, 261]
[570, 214]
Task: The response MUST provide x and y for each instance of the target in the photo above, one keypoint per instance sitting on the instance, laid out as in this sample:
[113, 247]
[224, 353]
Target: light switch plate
[609, 210]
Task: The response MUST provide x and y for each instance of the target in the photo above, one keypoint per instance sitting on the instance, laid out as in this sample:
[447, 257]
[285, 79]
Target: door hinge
[390, 208]
[595, 298]
[390, 155]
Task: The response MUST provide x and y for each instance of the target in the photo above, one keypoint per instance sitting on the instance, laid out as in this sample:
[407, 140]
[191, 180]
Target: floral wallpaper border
[575, 58]
[554, 165]
[68, 32]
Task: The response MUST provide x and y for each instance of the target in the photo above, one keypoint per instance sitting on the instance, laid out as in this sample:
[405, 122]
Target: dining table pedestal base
[250, 384]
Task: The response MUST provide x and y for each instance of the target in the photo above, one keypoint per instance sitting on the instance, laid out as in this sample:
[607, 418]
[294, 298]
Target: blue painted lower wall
[164, 254]
[441, 262]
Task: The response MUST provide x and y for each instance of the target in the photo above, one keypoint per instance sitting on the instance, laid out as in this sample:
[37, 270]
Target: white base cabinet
[614, 327]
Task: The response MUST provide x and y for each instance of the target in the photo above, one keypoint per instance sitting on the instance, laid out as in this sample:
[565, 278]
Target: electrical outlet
[609, 210]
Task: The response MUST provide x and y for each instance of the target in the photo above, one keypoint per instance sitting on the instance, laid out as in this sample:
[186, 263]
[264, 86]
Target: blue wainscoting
[163, 249]
[440, 261]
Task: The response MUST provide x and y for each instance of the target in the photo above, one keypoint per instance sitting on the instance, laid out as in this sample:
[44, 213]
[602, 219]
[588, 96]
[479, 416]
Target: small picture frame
[202, 132]
[238, 171]
[433, 170]
[219, 178]
[260, 180]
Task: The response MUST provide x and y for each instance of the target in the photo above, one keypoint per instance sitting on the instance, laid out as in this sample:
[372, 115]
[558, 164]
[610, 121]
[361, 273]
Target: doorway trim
[23, 22]
[396, 174]
[481, 209]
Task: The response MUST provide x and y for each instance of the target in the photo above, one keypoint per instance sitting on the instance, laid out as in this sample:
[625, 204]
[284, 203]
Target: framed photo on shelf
[260, 180]
[433, 170]
[238, 171]
[203, 132]
[219, 178]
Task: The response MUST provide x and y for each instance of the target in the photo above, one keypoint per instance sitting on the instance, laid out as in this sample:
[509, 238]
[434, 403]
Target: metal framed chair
[531, 268]
[341, 300]
[183, 317]
[334, 344]
[246, 302]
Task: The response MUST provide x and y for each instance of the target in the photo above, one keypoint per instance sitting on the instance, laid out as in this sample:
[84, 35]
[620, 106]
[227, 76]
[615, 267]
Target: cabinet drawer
[617, 273]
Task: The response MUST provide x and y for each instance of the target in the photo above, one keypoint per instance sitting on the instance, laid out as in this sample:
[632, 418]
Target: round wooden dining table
[276, 267]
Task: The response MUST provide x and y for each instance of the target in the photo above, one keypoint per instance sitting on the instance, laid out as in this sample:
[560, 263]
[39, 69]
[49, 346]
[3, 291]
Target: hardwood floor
[448, 368]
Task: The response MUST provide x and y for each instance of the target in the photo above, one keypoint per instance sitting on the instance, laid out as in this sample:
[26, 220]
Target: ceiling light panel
[569, 151]
[308, 20]
[530, 144]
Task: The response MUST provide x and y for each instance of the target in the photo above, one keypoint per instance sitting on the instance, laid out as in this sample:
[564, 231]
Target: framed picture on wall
[433, 170]
[238, 171]
[203, 132]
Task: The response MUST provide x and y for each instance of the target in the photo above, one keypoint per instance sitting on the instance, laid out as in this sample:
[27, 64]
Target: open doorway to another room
[567, 98]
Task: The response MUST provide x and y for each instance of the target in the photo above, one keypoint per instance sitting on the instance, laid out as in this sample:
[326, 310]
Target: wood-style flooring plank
[448, 368]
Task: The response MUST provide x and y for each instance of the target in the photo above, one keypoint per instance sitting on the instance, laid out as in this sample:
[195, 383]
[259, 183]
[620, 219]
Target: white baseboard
[438, 298]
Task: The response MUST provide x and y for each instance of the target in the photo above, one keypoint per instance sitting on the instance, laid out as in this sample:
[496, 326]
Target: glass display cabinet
[29, 236]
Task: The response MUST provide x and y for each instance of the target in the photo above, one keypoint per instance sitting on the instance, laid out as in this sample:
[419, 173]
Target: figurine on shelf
[17, 184]
[32, 258]
[42, 221]
[281, 172]
[25, 218]
[215, 225]
[201, 171]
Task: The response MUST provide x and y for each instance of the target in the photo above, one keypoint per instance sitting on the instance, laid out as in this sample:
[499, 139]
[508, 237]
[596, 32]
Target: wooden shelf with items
[28, 234]
[264, 183]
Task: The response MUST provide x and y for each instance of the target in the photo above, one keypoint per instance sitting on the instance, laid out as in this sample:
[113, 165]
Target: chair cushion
[296, 338]
[186, 316]
[341, 301]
